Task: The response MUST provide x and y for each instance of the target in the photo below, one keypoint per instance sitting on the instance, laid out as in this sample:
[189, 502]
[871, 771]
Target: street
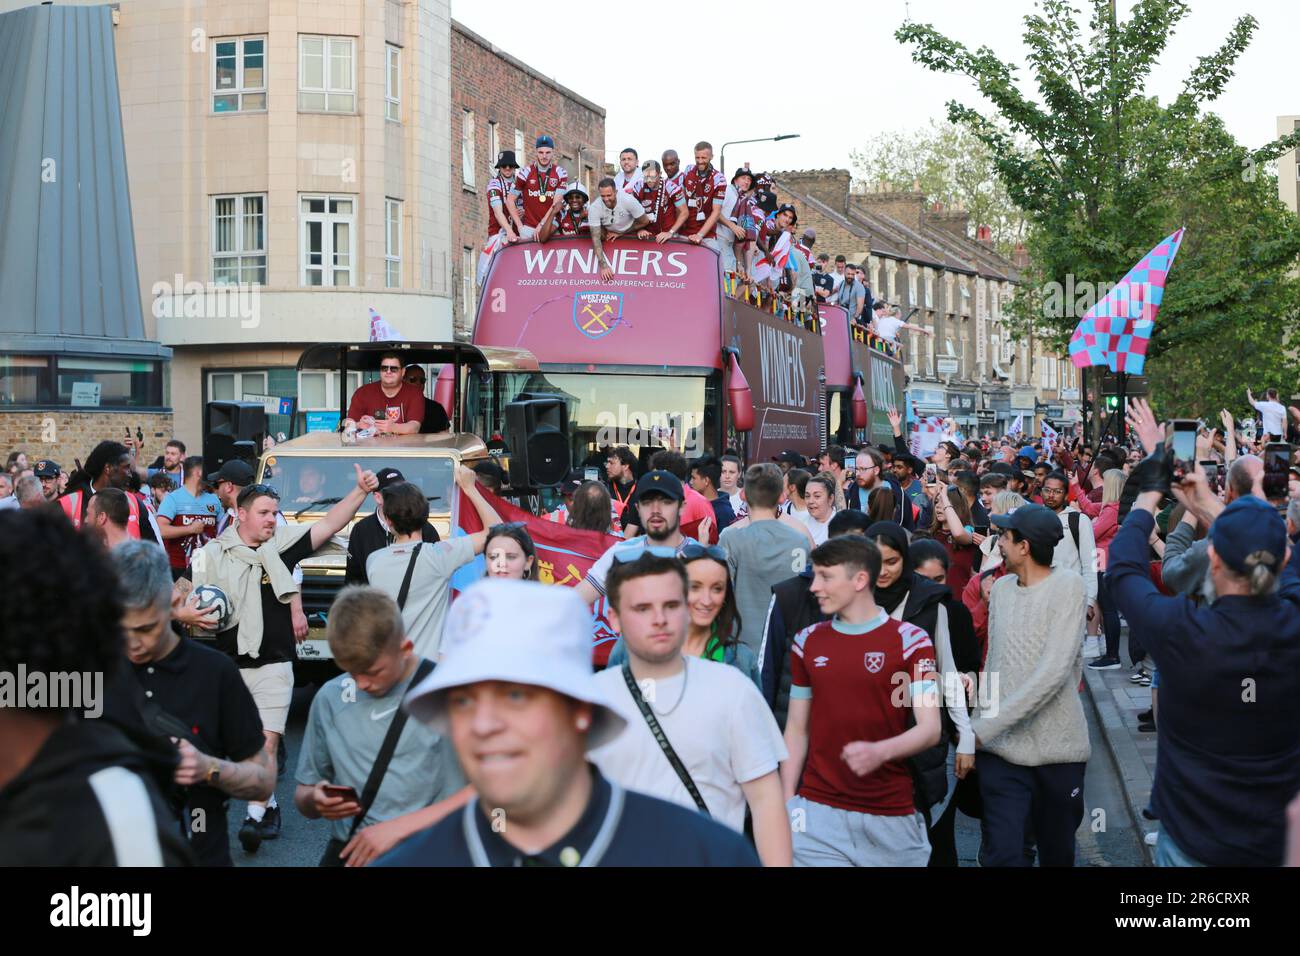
[1105, 838]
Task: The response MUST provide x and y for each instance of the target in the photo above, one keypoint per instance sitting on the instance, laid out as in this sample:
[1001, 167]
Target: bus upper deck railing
[808, 319]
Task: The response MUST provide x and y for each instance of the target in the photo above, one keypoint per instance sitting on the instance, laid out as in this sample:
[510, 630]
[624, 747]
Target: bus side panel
[781, 362]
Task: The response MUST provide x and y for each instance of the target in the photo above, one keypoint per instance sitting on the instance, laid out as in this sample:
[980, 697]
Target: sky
[836, 76]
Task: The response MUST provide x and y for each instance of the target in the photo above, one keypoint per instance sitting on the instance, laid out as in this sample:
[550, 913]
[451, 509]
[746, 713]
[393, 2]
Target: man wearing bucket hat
[516, 696]
[570, 217]
[1228, 752]
[503, 214]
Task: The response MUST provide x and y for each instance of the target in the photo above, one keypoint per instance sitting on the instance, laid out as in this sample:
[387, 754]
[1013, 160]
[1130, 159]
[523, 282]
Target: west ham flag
[1115, 332]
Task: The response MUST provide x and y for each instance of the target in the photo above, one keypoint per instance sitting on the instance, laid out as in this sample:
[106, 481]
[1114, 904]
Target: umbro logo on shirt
[821, 661]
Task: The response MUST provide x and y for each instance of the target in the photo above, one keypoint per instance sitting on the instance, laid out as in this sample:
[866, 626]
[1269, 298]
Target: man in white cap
[515, 694]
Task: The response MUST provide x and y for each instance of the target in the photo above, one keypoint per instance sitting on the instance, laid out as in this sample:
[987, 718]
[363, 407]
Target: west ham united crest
[596, 314]
[874, 661]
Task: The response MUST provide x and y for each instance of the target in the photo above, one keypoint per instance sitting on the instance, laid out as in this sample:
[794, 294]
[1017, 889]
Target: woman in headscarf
[907, 596]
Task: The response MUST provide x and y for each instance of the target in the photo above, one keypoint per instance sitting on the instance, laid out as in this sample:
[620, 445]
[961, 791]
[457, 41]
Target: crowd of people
[742, 219]
[819, 662]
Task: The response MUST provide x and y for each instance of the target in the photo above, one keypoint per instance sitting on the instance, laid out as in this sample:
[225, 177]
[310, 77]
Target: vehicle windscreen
[307, 483]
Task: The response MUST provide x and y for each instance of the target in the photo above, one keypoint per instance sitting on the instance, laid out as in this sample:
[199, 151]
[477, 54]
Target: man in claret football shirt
[662, 201]
[847, 783]
[538, 184]
[705, 189]
[570, 220]
[673, 172]
[501, 202]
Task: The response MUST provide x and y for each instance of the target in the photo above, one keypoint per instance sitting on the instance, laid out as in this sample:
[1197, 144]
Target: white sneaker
[1151, 838]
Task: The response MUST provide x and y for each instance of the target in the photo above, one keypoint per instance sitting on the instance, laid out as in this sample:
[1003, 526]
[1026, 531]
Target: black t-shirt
[200, 687]
[435, 418]
[278, 645]
[823, 281]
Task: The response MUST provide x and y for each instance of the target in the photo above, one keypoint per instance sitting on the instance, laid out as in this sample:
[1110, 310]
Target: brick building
[498, 103]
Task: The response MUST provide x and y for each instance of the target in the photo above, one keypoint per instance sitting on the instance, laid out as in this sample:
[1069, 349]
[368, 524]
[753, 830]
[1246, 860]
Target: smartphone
[591, 474]
[982, 530]
[931, 473]
[1211, 469]
[850, 461]
[1181, 440]
[338, 790]
[1277, 467]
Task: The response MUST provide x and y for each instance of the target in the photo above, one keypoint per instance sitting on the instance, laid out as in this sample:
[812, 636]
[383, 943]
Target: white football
[209, 596]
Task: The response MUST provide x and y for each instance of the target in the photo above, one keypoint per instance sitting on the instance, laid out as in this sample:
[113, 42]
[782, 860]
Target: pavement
[1118, 701]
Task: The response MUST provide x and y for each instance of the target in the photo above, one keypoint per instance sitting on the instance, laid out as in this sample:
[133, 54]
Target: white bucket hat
[524, 633]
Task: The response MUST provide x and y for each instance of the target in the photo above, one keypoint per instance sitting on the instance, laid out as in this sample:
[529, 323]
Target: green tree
[1105, 171]
[949, 164]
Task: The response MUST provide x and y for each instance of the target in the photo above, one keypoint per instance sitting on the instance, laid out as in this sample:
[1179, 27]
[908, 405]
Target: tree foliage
[1102, 172]
[949, 164]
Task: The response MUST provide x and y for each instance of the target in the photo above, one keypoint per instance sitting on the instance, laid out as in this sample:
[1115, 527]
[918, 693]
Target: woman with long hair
[907, 596]
[882, 503]
[954, 529]
[509, 552]
[714, 631]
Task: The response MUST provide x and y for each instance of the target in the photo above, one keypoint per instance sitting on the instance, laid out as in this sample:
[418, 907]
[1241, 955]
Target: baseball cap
[791, 456]
[544, 140]
[571, 483]
[810, 234]
[237, 472]
[1036, 523]
[520, 632]
[388, 476]
[658, 482]
[47, 469]
[1249, 528]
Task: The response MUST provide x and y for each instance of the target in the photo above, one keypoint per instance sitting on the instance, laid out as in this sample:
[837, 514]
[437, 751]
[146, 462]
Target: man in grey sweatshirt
[1032, 737]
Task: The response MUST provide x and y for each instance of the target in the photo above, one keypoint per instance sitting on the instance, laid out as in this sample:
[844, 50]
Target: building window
[238, 239]
[319, 391]
[519, 146]
[328, 240]
[494, 147]
[929, 289]
[326, 74]
[235, 386]
[468, 268]
[393, 85]
[467, 148]
[239, 75]
[393, 243]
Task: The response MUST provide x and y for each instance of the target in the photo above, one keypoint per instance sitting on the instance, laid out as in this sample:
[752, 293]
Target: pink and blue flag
[1116, 331]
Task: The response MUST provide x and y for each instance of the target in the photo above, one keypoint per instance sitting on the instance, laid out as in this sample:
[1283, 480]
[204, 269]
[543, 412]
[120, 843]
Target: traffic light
[1112, 402]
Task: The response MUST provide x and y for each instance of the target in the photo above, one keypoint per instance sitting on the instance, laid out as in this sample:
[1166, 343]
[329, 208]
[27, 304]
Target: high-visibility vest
[71, 505]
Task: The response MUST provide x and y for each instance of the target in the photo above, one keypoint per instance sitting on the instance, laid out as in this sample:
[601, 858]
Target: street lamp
[722, 157]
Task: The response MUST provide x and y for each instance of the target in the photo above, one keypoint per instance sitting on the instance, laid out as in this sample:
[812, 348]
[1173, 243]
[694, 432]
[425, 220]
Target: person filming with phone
[1228, 744]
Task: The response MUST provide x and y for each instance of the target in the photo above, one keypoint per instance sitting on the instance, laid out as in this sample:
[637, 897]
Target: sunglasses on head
[256, 491]
[631, 556]
[692, 552]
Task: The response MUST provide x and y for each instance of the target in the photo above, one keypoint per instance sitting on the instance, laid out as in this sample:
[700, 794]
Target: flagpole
[1122, 410]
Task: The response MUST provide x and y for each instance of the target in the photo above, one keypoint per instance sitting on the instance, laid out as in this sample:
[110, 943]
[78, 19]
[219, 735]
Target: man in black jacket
[372, 532]
[793, 609]
[73, 791]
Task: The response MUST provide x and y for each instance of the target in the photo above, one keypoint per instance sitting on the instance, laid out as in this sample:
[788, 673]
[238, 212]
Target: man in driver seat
[390, 406]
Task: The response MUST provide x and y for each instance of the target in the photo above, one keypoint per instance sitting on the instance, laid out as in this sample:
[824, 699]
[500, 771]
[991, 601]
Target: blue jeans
[1168, 853]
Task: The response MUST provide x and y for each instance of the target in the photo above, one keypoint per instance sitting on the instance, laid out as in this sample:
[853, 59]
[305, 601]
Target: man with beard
[538, 183]
[705, 189]
[658, 502]
[109, 465]
[251, 561]
[662, 201]
[628, 178]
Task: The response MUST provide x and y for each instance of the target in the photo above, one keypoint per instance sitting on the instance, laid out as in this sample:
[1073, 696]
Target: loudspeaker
[232, 430]
[537, 429]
